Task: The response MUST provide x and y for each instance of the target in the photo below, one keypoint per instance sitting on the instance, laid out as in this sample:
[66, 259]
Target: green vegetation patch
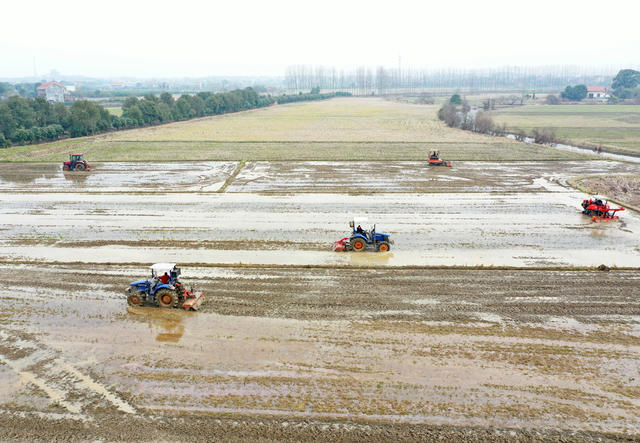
[106, 150]
[615, 127]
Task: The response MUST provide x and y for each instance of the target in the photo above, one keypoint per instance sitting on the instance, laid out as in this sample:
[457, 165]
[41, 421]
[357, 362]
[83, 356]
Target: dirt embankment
[623, 188]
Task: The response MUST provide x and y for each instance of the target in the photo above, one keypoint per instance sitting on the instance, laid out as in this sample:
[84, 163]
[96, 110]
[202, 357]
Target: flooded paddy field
[434, 229]
[410, 177]
[116, 177]
[322, 353]
[296, 342]
[353, 177]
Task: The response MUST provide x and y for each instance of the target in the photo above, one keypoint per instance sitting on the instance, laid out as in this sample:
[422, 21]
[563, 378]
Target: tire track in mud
[63, 383]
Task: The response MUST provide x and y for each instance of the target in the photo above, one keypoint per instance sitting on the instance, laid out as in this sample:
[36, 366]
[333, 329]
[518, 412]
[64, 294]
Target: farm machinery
[361, 239]
[164, 290]
[76, 163]
[435, 160]
[600, 211]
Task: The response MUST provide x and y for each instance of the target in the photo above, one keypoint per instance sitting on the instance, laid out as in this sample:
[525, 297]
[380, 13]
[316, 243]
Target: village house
[53, 92]
[596, 92]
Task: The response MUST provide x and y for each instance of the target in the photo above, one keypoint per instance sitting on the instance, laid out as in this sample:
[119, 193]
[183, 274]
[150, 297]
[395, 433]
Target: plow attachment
[192, 300]
[341, 245]
[608, 216]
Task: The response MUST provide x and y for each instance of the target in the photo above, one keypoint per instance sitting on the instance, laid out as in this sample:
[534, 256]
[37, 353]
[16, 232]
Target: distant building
[53, 92]
[596, 92]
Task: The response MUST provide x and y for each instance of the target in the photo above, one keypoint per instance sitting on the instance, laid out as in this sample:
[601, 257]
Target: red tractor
[435, 160]
[599, 210]
[76, 163]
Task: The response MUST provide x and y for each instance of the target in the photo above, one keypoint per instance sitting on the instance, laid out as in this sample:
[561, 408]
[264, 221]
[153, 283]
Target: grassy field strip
[106, 151]
[615, 127]
[340, 129]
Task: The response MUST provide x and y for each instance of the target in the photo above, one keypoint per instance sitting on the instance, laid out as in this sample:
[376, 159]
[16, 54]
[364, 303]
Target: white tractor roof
[161, 268]
[359, 220]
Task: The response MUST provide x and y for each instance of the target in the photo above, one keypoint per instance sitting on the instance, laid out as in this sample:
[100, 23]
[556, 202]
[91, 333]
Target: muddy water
[523, 229]
[357, 177]
[117, 177]
[350, 177]
[282, 350]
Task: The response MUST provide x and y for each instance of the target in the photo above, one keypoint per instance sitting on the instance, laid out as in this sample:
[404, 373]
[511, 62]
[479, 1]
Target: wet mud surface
[293, 354]
[304, 177]
[117, 177]
[409, 177]
[296, 342]
[452, 229]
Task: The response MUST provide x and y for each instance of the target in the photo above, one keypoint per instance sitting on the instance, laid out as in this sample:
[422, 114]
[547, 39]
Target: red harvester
[600, 211]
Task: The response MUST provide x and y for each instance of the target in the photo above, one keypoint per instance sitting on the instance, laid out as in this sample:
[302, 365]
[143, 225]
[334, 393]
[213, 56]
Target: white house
[53, 92]
[596, 92]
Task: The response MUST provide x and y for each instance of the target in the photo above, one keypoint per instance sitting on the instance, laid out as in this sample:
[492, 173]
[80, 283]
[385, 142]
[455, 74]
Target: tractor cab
[150, 287]
[159, 269]
[356, 226]
[74, 158]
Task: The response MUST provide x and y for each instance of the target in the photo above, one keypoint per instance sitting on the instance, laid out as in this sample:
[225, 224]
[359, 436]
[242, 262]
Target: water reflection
[167, 323]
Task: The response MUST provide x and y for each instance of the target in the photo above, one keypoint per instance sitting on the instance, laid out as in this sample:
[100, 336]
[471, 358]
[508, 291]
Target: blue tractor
[164, 289]
[362, 239]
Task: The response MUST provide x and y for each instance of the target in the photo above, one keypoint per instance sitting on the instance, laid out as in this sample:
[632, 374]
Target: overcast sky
[239, 37]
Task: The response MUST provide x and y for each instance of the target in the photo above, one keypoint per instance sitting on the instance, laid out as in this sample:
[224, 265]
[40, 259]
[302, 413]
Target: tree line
[33, 120]
[153, 109]
[625, 85]
[367, 80]
[313, 95]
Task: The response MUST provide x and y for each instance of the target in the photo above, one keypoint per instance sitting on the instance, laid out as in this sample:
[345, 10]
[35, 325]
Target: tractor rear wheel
[384, 246]
[166, 298]
[135, 299]
[358, 245]
[80, 167]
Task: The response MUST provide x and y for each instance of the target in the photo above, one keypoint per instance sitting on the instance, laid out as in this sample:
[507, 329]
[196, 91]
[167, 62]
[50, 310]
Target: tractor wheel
[135, 299]
[384, 247]
[166, 298]
[66, 168]
[80, 167]
[358, 245]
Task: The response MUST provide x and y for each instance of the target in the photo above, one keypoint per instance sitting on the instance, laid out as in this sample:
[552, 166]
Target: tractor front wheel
[66, 168]
[358, 245]
[166, 298]
[135, 299]
[384, 247]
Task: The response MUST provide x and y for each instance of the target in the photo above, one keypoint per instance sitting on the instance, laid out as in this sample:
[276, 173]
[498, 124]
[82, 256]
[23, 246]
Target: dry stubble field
[296, 342]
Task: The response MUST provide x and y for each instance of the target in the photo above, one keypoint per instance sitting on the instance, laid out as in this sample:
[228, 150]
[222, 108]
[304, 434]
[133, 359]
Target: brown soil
[622, 188]
[321, 354]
